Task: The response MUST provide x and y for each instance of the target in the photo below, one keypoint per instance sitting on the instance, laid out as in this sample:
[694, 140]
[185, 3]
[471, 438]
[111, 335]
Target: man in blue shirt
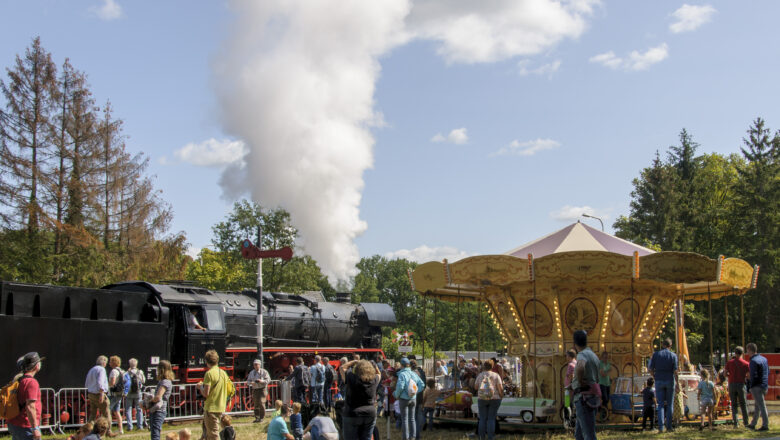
[759, 384]
[663, 368]
[97, 390]
[317, 372]
[277, 428]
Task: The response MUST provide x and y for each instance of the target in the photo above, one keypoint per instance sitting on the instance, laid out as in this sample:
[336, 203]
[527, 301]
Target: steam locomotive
[72, 326]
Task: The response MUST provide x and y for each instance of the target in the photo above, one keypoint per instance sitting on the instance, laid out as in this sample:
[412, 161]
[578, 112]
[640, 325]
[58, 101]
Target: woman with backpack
[490, 390]
[406, 389]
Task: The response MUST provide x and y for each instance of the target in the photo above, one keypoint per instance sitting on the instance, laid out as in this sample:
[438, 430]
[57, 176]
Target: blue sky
[421, 129]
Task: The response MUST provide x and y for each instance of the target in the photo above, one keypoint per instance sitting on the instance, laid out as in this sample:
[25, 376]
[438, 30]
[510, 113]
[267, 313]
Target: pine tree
[25, 136]
[757, 222]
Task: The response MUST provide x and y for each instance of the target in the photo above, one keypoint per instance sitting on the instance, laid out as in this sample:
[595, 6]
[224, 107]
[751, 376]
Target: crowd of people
[367, 389]
[662, 395]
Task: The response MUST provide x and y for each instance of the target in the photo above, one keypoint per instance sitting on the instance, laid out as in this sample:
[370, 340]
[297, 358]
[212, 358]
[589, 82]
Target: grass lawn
[255, 431]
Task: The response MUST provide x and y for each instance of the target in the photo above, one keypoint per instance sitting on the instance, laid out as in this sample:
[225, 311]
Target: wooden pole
[455, 365]
[435, 330]
[479, 331]
[728, 342]
[709, 300]
[424, 330]
[742, 317]
[633, 355]
[536, 354]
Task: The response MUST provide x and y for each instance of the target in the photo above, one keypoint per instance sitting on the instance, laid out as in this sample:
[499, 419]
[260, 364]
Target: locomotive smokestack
[343, 297]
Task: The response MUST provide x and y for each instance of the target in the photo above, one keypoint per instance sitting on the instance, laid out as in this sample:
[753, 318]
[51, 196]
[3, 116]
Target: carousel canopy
[582, 278]
[578, 237]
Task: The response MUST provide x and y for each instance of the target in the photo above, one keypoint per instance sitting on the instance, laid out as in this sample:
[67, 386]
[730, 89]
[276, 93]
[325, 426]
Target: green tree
[225, 268]
[757, 224]
[380, 279]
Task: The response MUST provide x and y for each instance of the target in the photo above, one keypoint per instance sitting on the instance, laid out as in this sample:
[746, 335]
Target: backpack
[318, 376]
[119, 385]
[486, 388]
[305, 376]
[134, 383]
[230, 389]
[9, 404]
[411, 387]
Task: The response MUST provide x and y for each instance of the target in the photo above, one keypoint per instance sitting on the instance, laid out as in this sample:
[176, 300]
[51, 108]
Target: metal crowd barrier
[49, 411]
[68, 408]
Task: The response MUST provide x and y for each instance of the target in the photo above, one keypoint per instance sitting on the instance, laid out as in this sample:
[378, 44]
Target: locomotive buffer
[252, 252]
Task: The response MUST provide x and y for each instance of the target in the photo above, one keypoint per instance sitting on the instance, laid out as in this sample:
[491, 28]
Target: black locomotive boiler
[72, 326]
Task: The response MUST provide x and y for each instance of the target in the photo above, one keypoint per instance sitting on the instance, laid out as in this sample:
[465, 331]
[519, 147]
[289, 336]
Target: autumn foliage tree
[75, 206]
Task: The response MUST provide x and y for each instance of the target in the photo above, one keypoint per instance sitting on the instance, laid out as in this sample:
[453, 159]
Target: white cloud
[569, 213]
[691, 17]
[485, 31]
[545, 69]
[424, 254]
[635, 60]
[526, 148]
[212, 153]
[458, 136]
[109, 10]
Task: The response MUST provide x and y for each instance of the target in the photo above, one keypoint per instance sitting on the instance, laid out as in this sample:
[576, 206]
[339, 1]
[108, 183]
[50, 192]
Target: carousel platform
[517, 425]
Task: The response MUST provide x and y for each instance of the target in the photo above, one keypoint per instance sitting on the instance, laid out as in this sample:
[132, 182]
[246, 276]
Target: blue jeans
[315, 432]
[133, 402]
[737, 393]
[19, 433]
[357, 428]
[428, 417]
[418, 418]
[316, 393]
[759, 407]
[586, 421]
[408, 424]
[116, 402]
[487, 417]
[664, 393]
[327, 397]
[156, 420]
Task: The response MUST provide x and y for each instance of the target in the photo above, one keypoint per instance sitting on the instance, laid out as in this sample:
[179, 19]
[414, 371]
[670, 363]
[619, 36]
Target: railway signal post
[252, 252]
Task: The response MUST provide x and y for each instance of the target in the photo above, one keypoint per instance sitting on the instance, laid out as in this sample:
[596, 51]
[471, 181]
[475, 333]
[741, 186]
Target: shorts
[705, 403]
[116, 402]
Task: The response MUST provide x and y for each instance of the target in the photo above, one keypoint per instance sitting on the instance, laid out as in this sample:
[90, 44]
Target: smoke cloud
[296, 78]
[296, 82]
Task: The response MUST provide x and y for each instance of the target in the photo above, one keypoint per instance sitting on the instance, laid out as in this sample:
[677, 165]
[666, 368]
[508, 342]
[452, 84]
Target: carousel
[580, 278]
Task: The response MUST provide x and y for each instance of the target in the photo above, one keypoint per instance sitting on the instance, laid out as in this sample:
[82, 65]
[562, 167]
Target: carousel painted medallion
[621, 321]
[581, 315]
[538, 318]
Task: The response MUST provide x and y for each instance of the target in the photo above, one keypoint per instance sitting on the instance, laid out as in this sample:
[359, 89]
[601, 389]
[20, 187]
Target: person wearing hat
[26, 425]
[407, 399]
[259, 379]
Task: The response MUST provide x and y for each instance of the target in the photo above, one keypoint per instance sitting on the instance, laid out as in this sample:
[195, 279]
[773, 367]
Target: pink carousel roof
[578, 237]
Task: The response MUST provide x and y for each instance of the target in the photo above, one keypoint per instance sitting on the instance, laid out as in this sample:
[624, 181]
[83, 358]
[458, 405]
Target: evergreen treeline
[715, 205]
[76, 208]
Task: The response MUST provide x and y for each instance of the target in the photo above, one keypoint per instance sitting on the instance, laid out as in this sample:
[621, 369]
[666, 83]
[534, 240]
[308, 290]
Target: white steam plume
[296, 82]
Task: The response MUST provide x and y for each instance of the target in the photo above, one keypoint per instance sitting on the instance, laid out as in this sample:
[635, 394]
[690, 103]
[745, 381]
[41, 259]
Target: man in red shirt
[737, 370]
[25, 426]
